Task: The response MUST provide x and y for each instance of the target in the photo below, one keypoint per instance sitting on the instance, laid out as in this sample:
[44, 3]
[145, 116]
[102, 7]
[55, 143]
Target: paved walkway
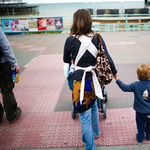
[45, 98]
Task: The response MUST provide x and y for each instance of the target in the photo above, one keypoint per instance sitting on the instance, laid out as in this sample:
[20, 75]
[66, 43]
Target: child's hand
[116, 76]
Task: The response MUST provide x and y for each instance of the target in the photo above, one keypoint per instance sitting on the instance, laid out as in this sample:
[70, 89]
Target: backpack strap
[86, 44]
[97, 87]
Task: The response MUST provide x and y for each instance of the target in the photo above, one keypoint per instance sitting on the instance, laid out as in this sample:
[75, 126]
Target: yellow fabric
[88, 96]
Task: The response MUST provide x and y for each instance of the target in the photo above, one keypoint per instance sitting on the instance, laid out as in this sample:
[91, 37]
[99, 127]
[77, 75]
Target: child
[141, 90]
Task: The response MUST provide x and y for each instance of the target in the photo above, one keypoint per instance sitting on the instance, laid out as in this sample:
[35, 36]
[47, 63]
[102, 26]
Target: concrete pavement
[45, 98]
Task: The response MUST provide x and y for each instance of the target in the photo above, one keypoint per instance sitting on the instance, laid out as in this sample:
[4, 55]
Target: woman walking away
[81, 48]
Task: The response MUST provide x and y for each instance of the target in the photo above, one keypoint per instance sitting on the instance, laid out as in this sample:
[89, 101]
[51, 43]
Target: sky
[68, 1]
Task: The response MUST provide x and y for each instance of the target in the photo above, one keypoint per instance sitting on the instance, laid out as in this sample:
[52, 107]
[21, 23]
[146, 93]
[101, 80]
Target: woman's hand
[116, 76]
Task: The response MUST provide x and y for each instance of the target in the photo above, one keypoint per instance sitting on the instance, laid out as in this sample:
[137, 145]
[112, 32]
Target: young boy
[141, 90]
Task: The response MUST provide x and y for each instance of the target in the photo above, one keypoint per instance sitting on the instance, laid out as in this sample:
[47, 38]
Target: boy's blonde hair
[143, 72]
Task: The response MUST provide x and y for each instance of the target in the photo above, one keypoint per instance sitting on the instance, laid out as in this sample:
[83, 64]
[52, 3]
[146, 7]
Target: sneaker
[139, 139]
[147, 137]
[16, 117]
[96, 137]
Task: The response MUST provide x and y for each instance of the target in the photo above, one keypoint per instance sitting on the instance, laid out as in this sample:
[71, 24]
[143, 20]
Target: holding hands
[116, 76]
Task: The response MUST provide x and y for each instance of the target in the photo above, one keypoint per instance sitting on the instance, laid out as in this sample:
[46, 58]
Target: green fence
[140, 26]
[122, 27]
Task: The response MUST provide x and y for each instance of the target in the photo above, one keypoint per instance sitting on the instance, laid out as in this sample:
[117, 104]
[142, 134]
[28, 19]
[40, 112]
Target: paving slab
[45, 98]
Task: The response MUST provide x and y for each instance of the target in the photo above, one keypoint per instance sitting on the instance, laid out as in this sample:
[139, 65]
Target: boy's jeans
[143, 125]
[90, 126]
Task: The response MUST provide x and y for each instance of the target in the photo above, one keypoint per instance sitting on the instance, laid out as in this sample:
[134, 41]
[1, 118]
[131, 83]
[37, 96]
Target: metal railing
[113, 27]
[122, 27]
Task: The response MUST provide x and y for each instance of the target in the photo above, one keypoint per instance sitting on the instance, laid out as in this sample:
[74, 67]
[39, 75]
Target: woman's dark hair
[82, 23]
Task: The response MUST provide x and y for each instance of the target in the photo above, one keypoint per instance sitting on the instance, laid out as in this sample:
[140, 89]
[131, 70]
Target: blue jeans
[143, 125]
[90, 126]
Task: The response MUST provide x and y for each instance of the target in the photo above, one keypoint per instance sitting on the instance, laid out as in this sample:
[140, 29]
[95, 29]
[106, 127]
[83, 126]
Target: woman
[81, 36]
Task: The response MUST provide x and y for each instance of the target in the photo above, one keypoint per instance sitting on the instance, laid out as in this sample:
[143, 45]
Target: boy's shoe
[140, 140]
[16, 117]
[148, 137]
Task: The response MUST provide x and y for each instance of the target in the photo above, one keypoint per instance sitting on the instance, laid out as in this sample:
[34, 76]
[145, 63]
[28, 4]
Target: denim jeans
[90, 126]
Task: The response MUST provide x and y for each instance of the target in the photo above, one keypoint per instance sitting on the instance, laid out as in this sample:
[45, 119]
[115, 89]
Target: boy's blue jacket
[141, 90]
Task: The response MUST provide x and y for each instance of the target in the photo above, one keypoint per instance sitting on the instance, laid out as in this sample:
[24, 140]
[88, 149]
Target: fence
[142, 23]
[122, 27]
